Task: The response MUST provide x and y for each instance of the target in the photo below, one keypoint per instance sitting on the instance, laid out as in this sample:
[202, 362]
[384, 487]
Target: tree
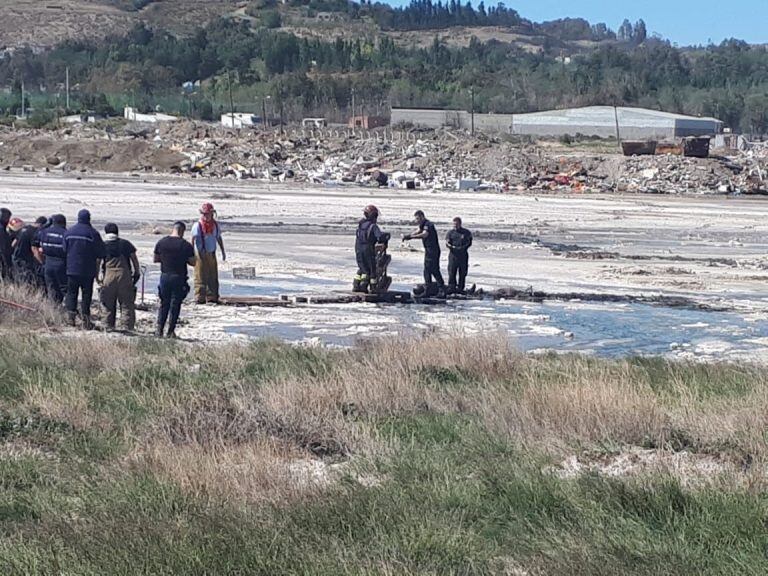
[756, 113]
[640, 32]
[626, 31]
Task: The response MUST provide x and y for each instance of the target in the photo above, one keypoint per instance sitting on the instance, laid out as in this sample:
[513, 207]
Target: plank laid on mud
[264, 301]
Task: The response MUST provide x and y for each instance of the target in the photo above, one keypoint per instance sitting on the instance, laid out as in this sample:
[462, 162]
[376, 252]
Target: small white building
[132, 115]
[239, 120]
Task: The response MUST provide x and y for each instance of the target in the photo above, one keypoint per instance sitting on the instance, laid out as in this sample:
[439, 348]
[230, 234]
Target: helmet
[15, 224]
[206, 208]
[371, 211]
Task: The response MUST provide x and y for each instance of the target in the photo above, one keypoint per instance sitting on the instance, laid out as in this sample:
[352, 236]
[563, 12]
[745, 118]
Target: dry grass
[34, 309]
[261, 471]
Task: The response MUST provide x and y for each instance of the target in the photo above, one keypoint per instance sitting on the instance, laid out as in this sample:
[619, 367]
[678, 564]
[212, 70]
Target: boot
[87, 322]
[71, 316]
[159, 332]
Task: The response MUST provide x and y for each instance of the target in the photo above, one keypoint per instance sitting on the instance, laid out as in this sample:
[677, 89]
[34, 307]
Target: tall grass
[425, 456]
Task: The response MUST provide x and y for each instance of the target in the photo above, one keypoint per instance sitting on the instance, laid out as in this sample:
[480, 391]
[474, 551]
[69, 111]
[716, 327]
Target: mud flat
[622, 251]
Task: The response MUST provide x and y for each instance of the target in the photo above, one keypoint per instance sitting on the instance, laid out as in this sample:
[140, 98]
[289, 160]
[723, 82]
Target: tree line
[319, 76]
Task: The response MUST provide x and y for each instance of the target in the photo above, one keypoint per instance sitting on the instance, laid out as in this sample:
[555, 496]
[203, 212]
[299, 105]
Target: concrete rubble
[427, 159]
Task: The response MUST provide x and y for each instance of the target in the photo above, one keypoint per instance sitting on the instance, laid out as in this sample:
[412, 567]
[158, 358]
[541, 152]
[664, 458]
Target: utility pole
[281, 112]
[67, 88]
[472, 109]
[231, 101]
[23, 104]
[263, 112]
[618, 134]
[353, 106]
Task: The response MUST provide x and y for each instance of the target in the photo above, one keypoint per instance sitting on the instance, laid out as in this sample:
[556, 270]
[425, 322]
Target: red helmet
[15, 224]
[371, 211]
[206, 208]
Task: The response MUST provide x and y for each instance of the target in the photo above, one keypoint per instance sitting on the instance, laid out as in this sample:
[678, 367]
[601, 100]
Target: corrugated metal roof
[591, 114]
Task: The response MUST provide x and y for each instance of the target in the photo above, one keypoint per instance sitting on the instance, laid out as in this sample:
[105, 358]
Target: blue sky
[682, 21]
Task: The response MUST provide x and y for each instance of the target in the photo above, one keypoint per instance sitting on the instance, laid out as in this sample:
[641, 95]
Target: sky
[684, 22]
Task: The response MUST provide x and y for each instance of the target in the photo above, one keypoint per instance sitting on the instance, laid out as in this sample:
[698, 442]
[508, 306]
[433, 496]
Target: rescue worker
[367, 236]
[27, 268]
[51, 241]
[6, 250]
[458, 240]
[174, 255]
[206, 235]
[428, 235]
[121, 271]
[84, 252]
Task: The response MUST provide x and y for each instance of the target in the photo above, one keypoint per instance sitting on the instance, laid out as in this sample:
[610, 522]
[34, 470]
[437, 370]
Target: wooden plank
[253, 301]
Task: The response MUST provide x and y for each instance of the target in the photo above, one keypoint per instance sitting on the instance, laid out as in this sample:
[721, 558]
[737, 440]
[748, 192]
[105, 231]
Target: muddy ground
[710, 251]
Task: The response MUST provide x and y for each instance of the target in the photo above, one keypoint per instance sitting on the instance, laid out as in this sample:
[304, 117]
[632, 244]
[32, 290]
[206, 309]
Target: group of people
[65, 263]
[458, 240]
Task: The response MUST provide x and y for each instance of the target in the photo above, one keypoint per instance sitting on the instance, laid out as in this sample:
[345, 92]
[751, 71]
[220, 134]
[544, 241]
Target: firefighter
[367, 236]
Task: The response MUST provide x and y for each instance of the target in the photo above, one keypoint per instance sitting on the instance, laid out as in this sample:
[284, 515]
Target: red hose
[16, 305]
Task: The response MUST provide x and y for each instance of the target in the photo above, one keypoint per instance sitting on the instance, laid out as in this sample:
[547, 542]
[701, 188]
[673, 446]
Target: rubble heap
[433, 159]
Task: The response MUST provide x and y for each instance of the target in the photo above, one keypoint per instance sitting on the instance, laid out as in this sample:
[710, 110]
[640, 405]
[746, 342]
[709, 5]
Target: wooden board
[253, 301]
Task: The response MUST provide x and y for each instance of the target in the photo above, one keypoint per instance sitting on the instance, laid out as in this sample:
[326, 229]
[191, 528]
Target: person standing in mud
[6, 248]
[458, 240]
[428, 235]
[206, 236]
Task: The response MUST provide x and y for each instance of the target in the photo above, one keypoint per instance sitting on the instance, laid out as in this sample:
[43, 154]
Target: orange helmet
[206, 208]
[15, 224]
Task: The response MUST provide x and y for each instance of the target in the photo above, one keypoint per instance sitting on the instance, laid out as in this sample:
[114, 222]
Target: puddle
[611, 330]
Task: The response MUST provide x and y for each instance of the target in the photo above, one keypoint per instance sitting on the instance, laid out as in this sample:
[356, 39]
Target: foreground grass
[436, 457]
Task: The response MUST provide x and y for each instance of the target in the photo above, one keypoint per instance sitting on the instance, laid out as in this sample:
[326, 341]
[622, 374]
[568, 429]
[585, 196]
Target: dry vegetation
[430, 456]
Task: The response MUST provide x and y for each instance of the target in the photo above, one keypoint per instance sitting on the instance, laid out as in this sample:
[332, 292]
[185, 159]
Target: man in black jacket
[458, 240]
[6, 249]
[85, 251]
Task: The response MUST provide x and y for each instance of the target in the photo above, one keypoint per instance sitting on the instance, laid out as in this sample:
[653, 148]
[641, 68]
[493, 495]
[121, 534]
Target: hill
[323, 57]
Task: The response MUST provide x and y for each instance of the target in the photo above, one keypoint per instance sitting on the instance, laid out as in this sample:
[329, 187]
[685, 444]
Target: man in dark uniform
[458, 240]
[6, 248]
[27, 268]
[51, 241]
[174, 255]
[367, 236]
[85, 251]
[428, 235]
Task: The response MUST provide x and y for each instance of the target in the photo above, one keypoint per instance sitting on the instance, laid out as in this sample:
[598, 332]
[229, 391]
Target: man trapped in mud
[206, 235]
[174, 255]
[458, 240]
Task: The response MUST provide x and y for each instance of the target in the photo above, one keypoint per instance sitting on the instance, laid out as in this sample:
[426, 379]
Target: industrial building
[599, 121]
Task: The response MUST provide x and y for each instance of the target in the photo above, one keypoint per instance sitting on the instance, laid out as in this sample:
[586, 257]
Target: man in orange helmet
[206, 236]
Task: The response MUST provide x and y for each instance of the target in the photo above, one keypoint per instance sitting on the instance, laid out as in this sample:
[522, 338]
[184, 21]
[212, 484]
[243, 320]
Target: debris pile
[428, 159]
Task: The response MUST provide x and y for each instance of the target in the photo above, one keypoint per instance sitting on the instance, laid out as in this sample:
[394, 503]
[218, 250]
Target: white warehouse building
[634, 123]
